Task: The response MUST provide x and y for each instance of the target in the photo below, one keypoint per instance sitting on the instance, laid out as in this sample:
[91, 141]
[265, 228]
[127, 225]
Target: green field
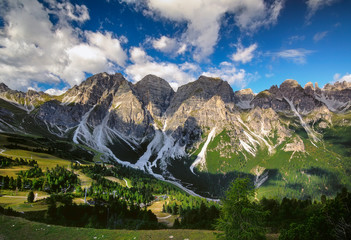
[166, 218]
[18, 228]
[44, 160]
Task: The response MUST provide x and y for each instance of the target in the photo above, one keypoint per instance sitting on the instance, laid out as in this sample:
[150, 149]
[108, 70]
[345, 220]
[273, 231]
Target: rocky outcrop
[155, 93]
[26, 101]
[206, 102]
[201, 91]
[94, 90]
[243, 98]
[114, 116]
[295, 146]
[337, 96]
[277, 98]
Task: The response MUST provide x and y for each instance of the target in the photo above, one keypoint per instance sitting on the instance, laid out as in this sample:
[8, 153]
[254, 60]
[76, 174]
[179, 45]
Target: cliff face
[155, 93]
[148, 125]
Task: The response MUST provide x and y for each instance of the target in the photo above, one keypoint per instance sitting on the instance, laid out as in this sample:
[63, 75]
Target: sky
[52, 45]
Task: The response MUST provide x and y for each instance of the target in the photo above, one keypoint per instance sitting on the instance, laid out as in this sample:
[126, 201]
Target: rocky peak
[202, 90]
[290, 89]
[289, 83]
[243, 98]
[309, 89]
[309, 85]
[337, 96]
[94, 88]
[155, 93]
[4, 87]
[242, 92]
[337, 86]
[104, 80]
[207, 87]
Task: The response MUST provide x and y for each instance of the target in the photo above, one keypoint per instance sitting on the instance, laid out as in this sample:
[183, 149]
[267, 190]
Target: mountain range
[290, 140]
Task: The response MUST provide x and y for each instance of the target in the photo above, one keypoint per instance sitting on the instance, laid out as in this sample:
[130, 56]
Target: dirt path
[126, 183]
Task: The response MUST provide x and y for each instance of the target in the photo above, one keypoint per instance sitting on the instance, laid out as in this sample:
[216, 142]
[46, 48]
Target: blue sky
[55, 44]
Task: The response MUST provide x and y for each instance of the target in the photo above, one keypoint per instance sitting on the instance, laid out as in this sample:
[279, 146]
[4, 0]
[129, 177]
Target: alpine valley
[290, 140]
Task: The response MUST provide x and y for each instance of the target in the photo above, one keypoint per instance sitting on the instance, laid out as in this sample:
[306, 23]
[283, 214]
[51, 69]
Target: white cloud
[244, 55]
[55, 92]
[144, 65]
[110, 46]
[165, 44]
[203, 18]
[228, 72]
[319, 36]
[169, 45]
[295, 38]
[182, 49]
[269, 75]
[36, 50]
[296, 55]
[346, 77]
[314, 5]
[66, 11]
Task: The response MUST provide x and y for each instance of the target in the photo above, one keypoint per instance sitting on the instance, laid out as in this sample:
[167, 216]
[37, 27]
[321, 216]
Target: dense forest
[113, 206]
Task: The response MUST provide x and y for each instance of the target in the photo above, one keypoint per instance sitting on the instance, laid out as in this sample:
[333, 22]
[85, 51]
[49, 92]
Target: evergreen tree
[30, 197]
[240, 218]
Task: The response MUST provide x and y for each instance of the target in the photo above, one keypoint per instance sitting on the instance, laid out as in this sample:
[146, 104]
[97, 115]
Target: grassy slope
[320, 170]
[17, 200]
[18, 228]
[166, 218]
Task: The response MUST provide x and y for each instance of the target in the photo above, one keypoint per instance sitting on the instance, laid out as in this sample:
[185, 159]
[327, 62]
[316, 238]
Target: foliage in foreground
[332, 220]
[241, 218]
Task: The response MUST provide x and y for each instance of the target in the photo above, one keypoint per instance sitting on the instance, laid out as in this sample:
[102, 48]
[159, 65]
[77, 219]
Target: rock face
[26, 101]
[206, 102]
[336, 97]
[155, 93]
[277, 98]
[243, 98]
[200, 91]
[295, 146]
[148, 125]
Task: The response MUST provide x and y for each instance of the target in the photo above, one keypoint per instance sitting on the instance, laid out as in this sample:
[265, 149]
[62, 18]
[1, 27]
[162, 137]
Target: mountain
[291, 140]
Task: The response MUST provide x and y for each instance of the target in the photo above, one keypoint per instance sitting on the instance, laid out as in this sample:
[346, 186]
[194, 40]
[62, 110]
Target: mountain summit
[202, 128]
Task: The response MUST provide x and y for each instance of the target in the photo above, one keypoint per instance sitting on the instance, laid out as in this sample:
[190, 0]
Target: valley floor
[18, 228]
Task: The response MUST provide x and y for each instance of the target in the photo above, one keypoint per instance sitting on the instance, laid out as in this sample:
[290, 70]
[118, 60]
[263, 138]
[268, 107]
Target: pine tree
[240, 218]
[30, 197]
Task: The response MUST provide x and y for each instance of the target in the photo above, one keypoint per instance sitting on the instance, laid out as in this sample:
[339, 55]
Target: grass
[13, 171]
[128, 182]
[85, 181]
[18, 228]
[165, 218]
[119, 181]
[44, 160]
[18, 200]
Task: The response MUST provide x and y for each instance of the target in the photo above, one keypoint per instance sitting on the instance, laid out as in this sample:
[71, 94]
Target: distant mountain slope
[292, 141]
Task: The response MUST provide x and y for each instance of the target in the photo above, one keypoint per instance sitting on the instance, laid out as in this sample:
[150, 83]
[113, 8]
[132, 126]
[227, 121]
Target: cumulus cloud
[203, 18]
[228, 72]
[34, 49]
[296, 55]
[346, 77]
[169, 45]
[143, 65]
[314, 5]
[319, 36]
[78, 13]
[56, 92]
[165, 44]
[244, 55]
